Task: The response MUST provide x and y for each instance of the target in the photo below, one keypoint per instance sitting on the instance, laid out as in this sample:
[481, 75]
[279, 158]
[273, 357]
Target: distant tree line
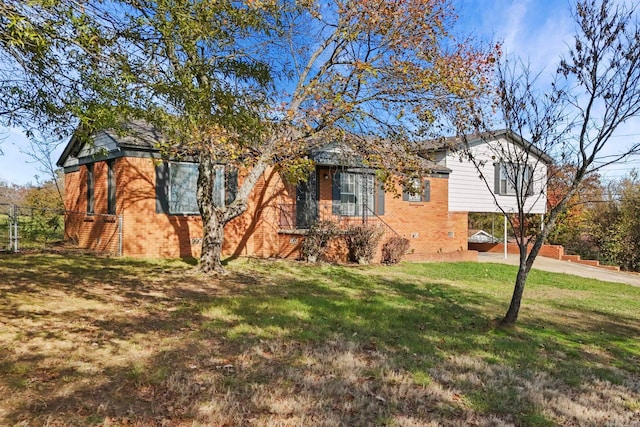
[42, 195]
[601, 222]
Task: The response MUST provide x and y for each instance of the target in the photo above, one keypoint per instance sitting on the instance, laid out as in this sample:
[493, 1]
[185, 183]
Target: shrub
[362, 241]
[317, 239]
[394, 249]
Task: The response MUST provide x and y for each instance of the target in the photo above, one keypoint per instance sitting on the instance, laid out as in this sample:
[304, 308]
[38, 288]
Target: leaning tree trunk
[518, 290]
[526, 261]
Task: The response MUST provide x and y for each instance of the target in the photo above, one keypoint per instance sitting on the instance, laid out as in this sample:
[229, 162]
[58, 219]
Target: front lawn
[99, 341]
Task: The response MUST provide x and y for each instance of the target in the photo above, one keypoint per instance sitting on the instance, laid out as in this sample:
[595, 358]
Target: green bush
[394, 249]
[317, 239]
[42, 226]
[362, 241]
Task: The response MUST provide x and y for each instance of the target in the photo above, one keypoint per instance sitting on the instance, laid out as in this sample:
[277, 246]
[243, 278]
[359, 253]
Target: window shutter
[496, 177]
[528, 173]
[231, 184]
[426, 195]
[111, 186]
[380, 197]
[90, 188]
[335, 194]
[162, 188]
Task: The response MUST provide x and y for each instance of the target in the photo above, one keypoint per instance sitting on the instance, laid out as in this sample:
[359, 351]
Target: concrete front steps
[593, 263]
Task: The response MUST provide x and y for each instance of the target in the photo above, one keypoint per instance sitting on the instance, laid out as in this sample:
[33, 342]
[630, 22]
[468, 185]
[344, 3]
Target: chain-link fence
[5, 226]
[30, 228]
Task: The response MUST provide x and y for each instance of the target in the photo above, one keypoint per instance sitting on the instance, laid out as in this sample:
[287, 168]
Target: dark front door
[307, 202]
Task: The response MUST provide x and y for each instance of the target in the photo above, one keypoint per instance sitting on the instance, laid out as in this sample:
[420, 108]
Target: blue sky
[535, 30]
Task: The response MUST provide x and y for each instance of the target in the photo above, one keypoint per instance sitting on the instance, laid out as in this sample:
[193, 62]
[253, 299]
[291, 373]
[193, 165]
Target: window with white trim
[510, 176]
[414, 191]
[356, 193]
[417, 190]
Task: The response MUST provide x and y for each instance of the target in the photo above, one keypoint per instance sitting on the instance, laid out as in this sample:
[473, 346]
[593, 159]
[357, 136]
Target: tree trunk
[518, 290]
[212, 218]
[215, 218]
[526, 261]
[212, 240]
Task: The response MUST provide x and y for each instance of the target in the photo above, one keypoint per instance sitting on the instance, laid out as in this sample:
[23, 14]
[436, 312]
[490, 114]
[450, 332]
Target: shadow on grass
[152, 343]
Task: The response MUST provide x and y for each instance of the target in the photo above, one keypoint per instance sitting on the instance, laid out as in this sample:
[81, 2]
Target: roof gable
[457, 143]
[135, 135]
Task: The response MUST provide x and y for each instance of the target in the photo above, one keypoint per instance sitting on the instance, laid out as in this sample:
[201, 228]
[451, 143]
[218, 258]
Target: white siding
[469, 193]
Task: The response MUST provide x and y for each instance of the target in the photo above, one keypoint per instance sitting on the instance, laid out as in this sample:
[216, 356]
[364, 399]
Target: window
[111, 187]
[218, 186]
[90, 189]
[506, 184]
[354, 195]
[510, 176]
[418, 191]
[183, 182]
[177, 183]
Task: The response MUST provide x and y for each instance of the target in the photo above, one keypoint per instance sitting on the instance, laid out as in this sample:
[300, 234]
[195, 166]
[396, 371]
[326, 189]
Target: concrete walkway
[556, 266]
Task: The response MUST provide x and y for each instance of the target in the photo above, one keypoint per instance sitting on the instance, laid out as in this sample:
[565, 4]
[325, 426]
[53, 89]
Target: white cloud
[537, 32]
[513, 24]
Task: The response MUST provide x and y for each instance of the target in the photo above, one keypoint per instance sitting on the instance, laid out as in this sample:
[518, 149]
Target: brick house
[123, 197]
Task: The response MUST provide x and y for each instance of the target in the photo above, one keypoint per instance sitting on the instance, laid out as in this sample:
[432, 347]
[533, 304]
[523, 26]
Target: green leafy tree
[42, 218]
[375, 76]
[45, 63]
[617, 226]
[256, 84]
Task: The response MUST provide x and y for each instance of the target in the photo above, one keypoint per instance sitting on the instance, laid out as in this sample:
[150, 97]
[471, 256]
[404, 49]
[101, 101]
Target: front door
[307, 202]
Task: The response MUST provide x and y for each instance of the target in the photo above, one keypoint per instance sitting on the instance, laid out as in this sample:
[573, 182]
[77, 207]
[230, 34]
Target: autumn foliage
[256, 84]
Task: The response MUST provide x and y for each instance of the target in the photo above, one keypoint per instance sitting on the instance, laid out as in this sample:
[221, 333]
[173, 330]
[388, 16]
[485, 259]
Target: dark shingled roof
[136, 134]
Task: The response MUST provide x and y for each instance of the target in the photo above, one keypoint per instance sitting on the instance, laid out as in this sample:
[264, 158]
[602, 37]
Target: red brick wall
[429, 226]
[150, 234]
[433, 232]
[96, 232]
[549, 251]
[145, 232]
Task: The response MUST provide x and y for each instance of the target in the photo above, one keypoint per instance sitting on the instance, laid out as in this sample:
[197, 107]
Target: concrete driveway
[555, 266]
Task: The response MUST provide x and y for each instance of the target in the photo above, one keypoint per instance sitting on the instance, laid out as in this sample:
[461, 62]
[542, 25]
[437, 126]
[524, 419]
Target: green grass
[115, 341]
[35, 231]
